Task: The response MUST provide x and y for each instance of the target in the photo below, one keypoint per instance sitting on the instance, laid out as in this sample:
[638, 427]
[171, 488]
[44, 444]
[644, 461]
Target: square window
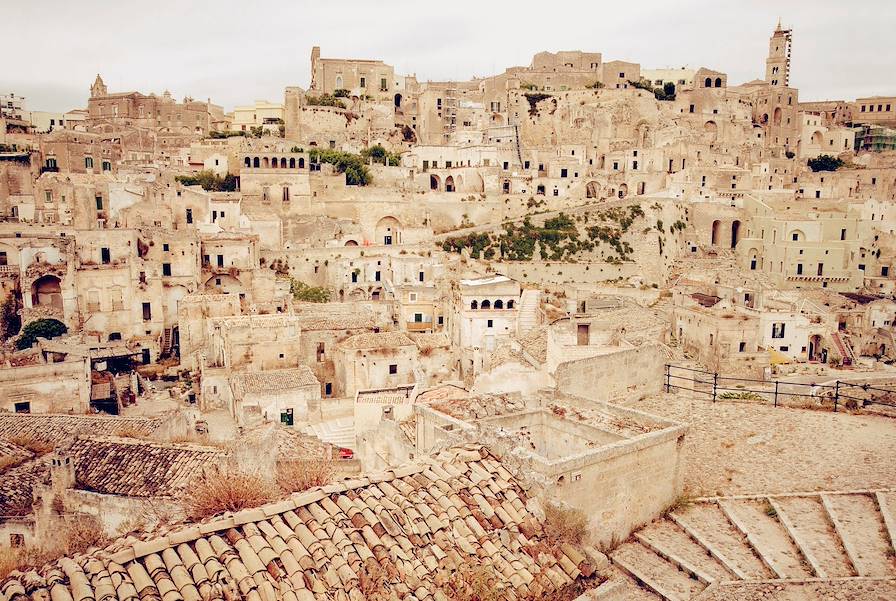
[490, 323]
[393, 369]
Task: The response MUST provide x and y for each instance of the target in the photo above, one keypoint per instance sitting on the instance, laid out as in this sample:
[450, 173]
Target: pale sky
[235, 52]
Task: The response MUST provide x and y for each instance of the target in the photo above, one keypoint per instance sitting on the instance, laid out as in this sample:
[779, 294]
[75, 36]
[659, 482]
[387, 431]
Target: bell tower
[98, 88]
[777, 65]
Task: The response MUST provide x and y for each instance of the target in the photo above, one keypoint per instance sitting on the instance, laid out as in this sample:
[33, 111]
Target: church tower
[777, 65]
[98, 88]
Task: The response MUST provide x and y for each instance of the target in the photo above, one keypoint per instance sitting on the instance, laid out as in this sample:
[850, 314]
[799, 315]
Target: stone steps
[708, 524]
[339, 432]
[861, 527]
[811, 529]
[655, 573]
[786, 538]
[757, 520]
[670, 541]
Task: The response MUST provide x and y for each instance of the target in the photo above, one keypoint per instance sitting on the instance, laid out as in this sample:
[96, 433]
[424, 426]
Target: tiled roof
[397, 395]
[427, 341]
[16, 485]
[10, 452]
[272, 381]
[480, 407]
[377, 340]
[55, 428]
[338, 322]
[442, 392]
[289, 442]
[138, 468]
[412, 526]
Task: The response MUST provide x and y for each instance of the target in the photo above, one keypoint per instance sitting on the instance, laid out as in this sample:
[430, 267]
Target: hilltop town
[583, 329]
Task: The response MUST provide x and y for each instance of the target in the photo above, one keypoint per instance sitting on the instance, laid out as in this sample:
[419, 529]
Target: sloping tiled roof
[13, 453]
[16, 485]
[377, 340]
[138, 468]
[412, 527]
[55, 428]
[289, 442]
[272, 381]
[337, 322]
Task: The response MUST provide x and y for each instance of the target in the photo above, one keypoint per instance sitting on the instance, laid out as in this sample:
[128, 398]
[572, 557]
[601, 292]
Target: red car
[346, 453]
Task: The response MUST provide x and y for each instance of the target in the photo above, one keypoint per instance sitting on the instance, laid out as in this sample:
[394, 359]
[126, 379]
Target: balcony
[9, 271]
[46, 169]
[418, 326]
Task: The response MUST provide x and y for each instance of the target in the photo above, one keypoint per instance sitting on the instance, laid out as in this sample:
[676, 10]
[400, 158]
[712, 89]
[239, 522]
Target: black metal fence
[721, 387]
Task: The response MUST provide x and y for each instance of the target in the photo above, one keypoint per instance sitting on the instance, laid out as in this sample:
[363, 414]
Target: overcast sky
[235, 52]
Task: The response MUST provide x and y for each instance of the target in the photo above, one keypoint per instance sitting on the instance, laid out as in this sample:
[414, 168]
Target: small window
[99, 203]
[166, 269]
[490, 323]
[328, 388]
[23, 407]
[166, 248]
[88, 162]
[393, 369]
[742, 347]
[105, 256]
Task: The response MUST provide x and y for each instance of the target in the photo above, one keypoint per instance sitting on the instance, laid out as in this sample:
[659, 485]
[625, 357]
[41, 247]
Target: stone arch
[486, 304]
[474, 305]
[718, 82]
[265, 162]
[292, 162]
[339, 82]
[799, 236]
[449, 184]
[301, 163]
[707, 83]
[256, 162]
[397, 100]
[735, 233]
[592, 190]
[351, 243]
[711, 129]
[388, 231]
[458, 183]
[435, 182]
[228, 283]
[46, 291]
[274, 163]
[499, 304]
[248, 162]
[716, 227]
[818, 139]
[776, 116]
[623, 191]
[283, 162]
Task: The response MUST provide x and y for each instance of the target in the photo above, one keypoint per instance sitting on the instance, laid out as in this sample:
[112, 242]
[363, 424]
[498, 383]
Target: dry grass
[564, 524]
[129, 432]
[296, 476]
[75, 535]
[227, 489]
[8, 462]
[35, 445]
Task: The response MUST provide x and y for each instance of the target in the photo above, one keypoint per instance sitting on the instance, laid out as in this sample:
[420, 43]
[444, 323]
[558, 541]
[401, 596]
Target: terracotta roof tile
[414, 527]
[377, 340]
[271, 381]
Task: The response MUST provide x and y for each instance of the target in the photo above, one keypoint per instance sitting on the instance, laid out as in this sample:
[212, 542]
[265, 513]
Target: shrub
[324, 100]
[352, 165]
[310, 294]
[225, 134]
[534, 98]
[825, 162]
[564, 524]
[296, 476]
[380, 155]
[41, 328]
[209, 180]
[227, 488]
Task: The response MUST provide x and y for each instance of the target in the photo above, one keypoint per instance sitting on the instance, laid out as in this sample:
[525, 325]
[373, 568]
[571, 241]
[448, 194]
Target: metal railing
[720, 387]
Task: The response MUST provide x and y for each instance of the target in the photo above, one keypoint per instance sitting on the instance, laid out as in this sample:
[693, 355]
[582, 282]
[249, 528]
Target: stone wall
[636, 371]
[49, 388]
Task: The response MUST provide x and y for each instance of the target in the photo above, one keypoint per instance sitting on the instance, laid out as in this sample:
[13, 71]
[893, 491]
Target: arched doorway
[398, 101]
[434, 182]
[776, 118]
[814, 347]
[351, 243]
[388, 231]
[711, 129]
[715, 232]
[47, 292]
[449, 184]
[735, 233]
[592, 190]
[623, 191]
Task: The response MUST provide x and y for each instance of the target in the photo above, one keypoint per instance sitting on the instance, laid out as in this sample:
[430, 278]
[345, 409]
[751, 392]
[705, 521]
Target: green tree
[42, 328]
[209, 180]
[10, 321]
[352, 165]
[309, 294]
[825, 162]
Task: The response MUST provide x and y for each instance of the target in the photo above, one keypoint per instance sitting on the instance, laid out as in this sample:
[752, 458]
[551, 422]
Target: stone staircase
[844, 348]
[528, 319]
[337, 432]
[763, 538]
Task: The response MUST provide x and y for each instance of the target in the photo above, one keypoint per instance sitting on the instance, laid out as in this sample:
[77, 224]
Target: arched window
[486, 304]
[292, 163]
[256, 163]
[510, 304]
[301, 163]
[718, 82]
[274, 164]
[474, 305]
[499, 304]
[283, 162]
[248, 162]
[707, 83]
[265, 162]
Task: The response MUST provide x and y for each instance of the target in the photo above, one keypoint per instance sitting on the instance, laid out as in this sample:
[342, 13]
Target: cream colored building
[260, 114]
